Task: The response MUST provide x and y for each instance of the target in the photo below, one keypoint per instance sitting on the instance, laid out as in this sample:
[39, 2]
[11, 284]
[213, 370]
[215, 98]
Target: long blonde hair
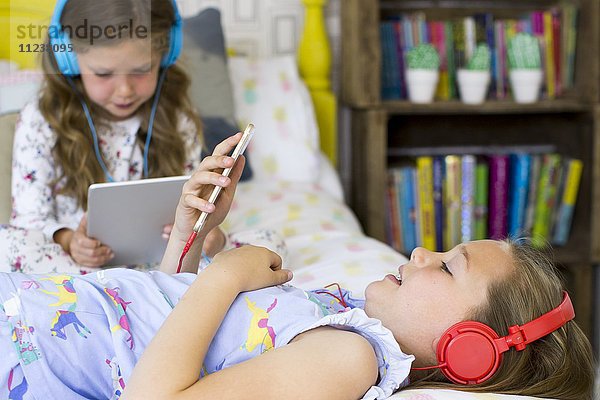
[62, 109]
[560, 365]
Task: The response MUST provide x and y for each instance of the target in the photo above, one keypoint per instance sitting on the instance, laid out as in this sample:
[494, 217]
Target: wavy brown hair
[62, 109]
[559, 365]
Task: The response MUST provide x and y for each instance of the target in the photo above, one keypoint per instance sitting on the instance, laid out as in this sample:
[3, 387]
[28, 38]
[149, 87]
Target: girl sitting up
[491, 315]
[112, 108]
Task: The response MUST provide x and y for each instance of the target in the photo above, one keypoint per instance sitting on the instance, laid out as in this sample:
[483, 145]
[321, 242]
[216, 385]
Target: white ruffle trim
[394, 365]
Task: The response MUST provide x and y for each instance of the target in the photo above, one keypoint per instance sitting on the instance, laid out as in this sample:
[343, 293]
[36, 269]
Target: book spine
[452, 189]
[500, 60]
[518, 188]
[467, 225]
[390, 74]
[399, 197]
[557, 50]
[549, 59]
[470, 43]
[568, 200]
[534, 176]
[401, 65]
[458, 36]
[481, 199]
[498, 196]
[439, 41]
[451, 64]
[571, 43]
[394, 215]
[416, 211]
[546, 193]
[408, 210]
[491, 42]
[438, 182]
[426, 206]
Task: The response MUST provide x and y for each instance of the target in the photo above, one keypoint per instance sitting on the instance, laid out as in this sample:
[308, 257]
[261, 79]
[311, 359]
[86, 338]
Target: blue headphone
[69, 66]
[67, 60]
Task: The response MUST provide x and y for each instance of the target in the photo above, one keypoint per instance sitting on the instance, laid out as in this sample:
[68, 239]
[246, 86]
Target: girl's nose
[124, 87]
[419, 255]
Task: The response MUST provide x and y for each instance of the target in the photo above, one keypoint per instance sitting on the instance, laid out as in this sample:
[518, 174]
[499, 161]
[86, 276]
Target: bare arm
[323, 363]
[171, 364]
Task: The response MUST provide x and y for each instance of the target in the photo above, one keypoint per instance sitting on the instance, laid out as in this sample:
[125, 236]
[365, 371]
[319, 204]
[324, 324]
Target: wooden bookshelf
[381, 130]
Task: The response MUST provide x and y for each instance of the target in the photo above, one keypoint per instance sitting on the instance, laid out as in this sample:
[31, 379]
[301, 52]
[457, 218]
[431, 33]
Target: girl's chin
[120, 113]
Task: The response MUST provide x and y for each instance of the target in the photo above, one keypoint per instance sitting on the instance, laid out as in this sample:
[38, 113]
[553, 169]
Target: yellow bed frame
[314, 62]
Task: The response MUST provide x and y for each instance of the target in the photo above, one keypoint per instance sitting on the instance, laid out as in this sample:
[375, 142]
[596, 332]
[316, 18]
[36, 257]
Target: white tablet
[129, 217]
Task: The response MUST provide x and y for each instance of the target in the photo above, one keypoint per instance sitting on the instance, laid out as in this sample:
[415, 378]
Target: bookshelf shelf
[489, 107]
[386, 131]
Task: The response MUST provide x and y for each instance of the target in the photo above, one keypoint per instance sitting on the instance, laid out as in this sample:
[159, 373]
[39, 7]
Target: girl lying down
[237, 331]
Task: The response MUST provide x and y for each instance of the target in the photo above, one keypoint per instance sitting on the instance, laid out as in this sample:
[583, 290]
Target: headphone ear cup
[468, 353]
[175, 43]
[66, 59]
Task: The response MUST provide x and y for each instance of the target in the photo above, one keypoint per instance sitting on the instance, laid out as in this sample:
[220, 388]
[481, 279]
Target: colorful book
[498, 192]
[407, 212]
[458, 36]
[520, 165]
[534, 175]
[481, 200]
[547, 185]
[398, 192]
[467, 196]
[390, 70]
[549, 55]
[470, 40]
[452, 200]
[451, 64]
[416, 211]
[394, 232]
[573, 169]
[438, 203]
[557, 50]
[426, 206]
[500, 51]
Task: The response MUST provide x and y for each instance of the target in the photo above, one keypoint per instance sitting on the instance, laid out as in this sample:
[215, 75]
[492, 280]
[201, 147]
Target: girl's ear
[434, 346]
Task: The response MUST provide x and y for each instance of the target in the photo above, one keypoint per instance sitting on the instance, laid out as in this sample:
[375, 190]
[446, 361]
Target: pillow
[205, 60]
[269, 93]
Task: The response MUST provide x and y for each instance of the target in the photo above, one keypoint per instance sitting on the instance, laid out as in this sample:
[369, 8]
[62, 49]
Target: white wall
[264, 27]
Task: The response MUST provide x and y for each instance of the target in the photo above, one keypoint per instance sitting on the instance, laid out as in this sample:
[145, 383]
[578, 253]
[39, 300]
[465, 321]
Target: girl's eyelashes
[103, 75]
[445, 268]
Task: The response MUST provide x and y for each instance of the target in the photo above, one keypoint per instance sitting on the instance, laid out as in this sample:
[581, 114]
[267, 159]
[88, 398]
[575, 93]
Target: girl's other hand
[167, 229]
[88, 251]
[194, 197]
[250, 268]
[214, 242]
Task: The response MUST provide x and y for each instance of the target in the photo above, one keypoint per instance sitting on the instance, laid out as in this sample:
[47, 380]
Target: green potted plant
[525, 72]
[474, 80]
[422, 73]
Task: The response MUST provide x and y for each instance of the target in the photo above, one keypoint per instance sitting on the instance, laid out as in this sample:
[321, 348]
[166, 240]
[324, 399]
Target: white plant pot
[525, 84]
[421, 84]
[473, 85]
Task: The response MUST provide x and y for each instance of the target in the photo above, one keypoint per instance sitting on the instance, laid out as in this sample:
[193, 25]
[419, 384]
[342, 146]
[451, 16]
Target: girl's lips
[395, 279]
[124, 105]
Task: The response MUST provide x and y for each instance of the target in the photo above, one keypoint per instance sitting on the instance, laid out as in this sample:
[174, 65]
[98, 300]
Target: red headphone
[470, 352]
